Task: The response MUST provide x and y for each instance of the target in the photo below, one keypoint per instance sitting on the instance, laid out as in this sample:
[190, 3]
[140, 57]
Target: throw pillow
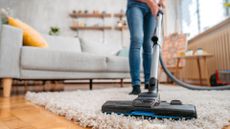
[30, 36]
[123, 52]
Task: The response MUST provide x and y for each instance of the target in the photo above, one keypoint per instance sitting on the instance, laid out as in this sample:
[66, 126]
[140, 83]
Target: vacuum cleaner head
[173, 110]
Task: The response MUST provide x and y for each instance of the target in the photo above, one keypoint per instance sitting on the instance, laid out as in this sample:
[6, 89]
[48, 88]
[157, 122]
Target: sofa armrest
[10, 45]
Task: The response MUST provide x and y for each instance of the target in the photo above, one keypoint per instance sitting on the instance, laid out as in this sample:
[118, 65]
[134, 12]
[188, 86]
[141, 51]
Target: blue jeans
[142, 26]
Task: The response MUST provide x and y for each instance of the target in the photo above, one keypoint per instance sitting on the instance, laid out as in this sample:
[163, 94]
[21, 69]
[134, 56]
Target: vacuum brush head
[173, 110]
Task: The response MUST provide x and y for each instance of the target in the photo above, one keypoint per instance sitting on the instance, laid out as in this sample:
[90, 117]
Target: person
[141, 17]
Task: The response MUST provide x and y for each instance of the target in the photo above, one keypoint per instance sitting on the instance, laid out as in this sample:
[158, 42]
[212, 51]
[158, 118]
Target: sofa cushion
[99, 48]
[117, 64]
[63, 43]
[54, 60]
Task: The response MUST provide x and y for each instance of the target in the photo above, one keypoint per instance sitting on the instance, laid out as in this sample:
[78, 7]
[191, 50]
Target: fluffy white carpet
[213, 108]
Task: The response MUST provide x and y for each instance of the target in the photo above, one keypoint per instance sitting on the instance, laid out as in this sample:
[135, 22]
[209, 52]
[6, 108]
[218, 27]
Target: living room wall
[42, 14]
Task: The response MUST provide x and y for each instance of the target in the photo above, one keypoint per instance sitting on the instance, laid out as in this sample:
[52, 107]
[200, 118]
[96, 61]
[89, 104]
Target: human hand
[162, 3]
[152, 5]
[154, 8]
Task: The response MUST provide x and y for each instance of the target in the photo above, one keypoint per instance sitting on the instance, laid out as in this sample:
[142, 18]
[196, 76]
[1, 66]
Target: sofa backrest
[98, 48]
[63, 43]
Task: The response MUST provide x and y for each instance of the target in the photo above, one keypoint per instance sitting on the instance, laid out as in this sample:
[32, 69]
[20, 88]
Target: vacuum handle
[160, 12]
[153, 83]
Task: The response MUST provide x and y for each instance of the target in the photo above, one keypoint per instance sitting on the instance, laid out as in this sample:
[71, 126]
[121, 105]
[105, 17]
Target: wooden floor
[17, 113]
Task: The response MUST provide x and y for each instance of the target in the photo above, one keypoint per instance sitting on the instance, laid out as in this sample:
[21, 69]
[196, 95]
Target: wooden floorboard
[17, 113]
[25, 115]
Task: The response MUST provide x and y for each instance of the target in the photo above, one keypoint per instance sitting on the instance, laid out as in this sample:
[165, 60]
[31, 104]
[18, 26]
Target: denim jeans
[141, 26]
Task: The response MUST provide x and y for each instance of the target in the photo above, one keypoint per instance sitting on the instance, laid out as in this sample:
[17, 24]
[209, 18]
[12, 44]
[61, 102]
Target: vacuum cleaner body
[148, 104]
[173, 110]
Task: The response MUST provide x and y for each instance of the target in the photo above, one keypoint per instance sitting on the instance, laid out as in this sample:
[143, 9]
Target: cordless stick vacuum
[148, 104]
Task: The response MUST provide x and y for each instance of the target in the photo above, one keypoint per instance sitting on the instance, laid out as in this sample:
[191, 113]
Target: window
[227, 9]
[199, 15]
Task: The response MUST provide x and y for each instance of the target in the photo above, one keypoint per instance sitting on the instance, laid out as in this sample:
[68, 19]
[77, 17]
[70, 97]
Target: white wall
[42, 14]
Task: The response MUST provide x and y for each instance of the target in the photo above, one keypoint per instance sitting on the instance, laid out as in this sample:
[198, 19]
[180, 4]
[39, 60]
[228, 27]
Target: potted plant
[54, 30]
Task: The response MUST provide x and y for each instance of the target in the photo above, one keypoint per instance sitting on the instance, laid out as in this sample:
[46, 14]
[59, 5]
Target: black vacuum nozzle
[164, 110]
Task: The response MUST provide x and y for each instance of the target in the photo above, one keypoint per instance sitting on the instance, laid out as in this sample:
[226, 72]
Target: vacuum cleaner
[148, 104]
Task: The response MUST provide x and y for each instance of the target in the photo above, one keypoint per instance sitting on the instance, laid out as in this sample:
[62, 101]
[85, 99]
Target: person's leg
[149, 28]
[135, 22]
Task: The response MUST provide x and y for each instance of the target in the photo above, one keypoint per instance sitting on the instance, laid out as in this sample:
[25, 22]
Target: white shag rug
[213, 108]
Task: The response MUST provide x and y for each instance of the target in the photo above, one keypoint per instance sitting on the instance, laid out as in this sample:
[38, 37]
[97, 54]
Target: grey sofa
[63, 59]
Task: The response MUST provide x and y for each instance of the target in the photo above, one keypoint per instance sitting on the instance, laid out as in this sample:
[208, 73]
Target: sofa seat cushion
[117, 64]
[53, 60]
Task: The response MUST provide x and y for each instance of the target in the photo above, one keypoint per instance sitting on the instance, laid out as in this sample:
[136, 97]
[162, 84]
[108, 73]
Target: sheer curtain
[199, 15]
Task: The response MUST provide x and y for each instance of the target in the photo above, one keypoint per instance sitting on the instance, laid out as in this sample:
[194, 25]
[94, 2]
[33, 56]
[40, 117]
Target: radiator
[216, 41]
